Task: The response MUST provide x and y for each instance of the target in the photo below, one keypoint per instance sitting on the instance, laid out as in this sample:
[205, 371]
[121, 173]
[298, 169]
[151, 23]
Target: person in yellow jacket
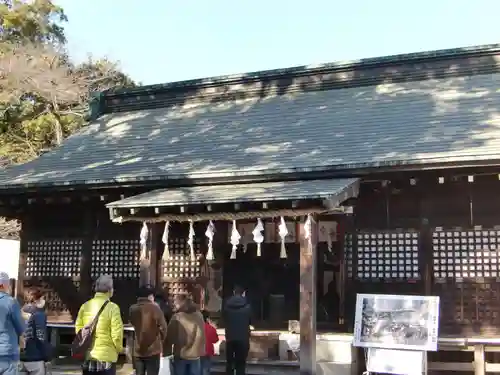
[108, 338]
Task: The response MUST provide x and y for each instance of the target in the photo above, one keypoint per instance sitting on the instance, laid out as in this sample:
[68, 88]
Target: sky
[158, 41]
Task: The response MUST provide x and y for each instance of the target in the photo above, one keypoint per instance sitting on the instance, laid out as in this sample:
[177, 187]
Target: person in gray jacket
[236, 315]
[12, 326]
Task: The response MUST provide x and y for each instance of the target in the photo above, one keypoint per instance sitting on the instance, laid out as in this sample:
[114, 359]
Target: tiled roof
[450, 118]
[338, 189]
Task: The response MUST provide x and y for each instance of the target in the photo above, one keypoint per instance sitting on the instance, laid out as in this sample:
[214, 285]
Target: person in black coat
[236, 315]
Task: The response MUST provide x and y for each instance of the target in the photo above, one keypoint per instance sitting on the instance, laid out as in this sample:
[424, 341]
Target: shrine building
[305, 185]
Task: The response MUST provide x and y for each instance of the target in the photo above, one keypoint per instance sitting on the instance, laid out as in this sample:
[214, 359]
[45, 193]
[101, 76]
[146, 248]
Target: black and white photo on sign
[396, 322]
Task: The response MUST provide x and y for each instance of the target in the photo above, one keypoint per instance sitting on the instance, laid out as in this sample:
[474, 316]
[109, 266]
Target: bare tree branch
[43, 71]
[9, 229]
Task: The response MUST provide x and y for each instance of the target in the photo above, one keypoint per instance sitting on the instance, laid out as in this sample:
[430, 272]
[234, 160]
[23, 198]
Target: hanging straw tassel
[191, 240]
[283, 250]
[143, 239]
[164, 239]
[283, 232]
[235, 240]
[257, 236]
[209, 233]
[308, 229]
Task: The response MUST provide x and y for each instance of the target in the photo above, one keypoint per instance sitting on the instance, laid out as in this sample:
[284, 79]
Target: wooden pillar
[479, 360]
[308, 272]
[347, 296]
[86, 258]
[23, 253]
[425, 242]
[154, 254]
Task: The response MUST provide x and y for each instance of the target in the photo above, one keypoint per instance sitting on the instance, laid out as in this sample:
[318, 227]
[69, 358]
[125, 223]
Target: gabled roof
[404, 110]
[339, 189]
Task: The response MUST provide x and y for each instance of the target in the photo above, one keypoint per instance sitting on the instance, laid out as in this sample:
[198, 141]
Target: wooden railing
[478, 346]
[455, 348]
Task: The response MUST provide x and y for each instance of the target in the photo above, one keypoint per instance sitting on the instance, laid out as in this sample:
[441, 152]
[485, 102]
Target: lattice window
[53, 258]
[175, 288]
[180, 265]
[388, 255]
[348, 254]
[118, 258]
[469, 303]
[466, 254]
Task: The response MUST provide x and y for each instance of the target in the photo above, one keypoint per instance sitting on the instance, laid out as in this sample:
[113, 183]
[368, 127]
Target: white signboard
[396, 322]
[9, 249]
[399, 362]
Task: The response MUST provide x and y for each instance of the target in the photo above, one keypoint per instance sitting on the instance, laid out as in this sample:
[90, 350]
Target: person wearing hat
[12, 326]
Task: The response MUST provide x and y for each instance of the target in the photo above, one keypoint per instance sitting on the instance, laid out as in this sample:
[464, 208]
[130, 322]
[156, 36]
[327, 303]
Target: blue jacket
[12, 327]
[37, 346]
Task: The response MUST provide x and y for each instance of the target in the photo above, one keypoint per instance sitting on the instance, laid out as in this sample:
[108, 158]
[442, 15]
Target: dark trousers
[147, 365]
[236, 357]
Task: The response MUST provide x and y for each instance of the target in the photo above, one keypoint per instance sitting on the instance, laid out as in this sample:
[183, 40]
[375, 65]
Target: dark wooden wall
[431, 238]
[64, 248]
[409, 236]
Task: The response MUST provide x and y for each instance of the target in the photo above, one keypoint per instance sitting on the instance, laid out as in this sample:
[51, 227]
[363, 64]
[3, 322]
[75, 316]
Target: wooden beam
[226, 216]
[308, 271]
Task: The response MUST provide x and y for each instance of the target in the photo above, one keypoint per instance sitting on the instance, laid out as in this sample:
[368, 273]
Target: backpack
[83, 339]
[44, 346]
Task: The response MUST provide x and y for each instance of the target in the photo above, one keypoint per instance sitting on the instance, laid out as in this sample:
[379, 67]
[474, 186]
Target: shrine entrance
[231, 227]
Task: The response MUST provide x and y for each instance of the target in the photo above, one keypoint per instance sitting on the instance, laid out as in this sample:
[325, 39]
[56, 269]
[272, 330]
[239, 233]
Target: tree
[43, 95]
[47, 96]
[38, 21]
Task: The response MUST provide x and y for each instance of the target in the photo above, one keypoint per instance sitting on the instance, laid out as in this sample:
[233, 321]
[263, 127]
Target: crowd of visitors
[182, 337]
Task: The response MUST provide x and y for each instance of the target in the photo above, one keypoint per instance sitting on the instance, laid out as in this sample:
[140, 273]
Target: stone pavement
[75, 370]
[218, 368]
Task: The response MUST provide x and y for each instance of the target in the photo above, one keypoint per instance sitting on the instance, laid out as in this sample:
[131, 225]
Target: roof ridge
[309, 69]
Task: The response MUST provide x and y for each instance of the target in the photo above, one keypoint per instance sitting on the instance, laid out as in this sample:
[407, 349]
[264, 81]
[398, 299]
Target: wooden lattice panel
[173, 288]
[180, 266]
[388, 255]
[466, 254]
[469, 307]
[118, 258]
[53, 258]
[348, 254]
[466, 268]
